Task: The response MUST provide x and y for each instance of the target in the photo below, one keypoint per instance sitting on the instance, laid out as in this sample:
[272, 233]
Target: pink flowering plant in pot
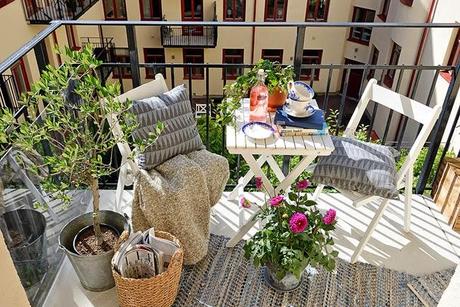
[295, 234]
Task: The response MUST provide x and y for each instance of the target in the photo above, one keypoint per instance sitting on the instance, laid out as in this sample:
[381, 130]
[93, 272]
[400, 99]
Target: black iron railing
[103, 51]
[205, 37]
[9, 93]
[213, 135]
[44, 11]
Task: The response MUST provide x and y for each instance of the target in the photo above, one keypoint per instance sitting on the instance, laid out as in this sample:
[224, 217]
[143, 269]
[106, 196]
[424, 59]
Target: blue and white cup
[300, 95]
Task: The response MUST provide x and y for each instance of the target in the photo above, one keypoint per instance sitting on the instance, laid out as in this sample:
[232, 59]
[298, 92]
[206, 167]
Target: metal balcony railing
[9, 93]
[327, 99]
[43, 11]
[204, 37]
[103, 51]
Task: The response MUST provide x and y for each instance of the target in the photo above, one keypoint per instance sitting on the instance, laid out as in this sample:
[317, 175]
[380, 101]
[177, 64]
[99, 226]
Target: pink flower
[302, 184]
[298, 222]
[259, 183]
[329, 217]
[245, 203]
[276, 201]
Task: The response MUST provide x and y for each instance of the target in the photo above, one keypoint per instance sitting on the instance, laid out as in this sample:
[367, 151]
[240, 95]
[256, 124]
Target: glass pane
[280, 10]
[109, 11]
[188, 8]
[270, 8]
[321, 10]
[198, 8]
[156, 8]
[229, 9]
[147, 8]
[370, 16]
[239, 8]
[121, 9]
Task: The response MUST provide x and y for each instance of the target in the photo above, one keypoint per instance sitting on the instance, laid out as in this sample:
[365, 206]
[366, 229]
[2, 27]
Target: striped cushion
[180, 135]
[357, 166]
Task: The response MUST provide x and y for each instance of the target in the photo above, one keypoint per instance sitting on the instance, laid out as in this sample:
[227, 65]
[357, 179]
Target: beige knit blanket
[177, 196]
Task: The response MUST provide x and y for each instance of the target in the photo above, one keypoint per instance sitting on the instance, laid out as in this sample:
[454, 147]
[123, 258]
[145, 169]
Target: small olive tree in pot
[78, 111]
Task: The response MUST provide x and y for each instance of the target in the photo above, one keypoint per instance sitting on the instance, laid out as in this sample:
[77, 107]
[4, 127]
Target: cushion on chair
[180, 135]
[358, 166]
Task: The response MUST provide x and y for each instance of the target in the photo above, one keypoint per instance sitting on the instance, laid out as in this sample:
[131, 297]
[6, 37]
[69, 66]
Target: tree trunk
[96, 221]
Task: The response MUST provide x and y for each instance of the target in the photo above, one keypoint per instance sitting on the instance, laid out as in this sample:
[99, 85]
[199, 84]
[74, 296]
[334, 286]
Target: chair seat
[359, 167]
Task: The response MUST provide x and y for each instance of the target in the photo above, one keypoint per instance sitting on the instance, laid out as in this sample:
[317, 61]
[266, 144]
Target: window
[70, 32]
[274, 55]
[394, 59]
[385, 7]
[114, 9]
[5, 2]
[311, 57]
[275, 10]
[234, 10]
[150, 9]
[407, 2]
[232, 56]
[373, 61]
[192, 10]
[154, 55]
[21, 80]
[362, 35]
[453, 57]
[194, 56]
[121, 55]
[317, 10]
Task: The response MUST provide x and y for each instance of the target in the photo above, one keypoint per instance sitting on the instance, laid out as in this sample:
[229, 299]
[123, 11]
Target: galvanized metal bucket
[94, 271]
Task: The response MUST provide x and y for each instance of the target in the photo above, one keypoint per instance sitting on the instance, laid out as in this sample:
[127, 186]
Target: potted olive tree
[76, 126]
[277, 79]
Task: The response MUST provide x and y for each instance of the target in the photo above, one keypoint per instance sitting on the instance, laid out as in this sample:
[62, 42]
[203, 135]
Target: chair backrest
[425, 115]
[152, 88]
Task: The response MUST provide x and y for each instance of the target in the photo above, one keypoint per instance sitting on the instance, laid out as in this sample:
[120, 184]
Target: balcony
[432, 245]
[203, 37]
[43, 11]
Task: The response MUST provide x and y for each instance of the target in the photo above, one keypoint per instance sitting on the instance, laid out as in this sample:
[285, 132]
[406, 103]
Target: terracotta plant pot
[276, 100]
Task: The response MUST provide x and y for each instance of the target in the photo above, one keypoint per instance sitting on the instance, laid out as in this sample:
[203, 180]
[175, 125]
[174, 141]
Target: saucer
[258, 130]
[304, 115]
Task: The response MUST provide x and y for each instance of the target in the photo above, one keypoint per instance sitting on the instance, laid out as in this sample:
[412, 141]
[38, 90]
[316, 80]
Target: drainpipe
[421, 48]
[253, 31]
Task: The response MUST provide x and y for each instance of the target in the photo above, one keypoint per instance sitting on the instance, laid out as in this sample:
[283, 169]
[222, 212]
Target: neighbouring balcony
[204, 37]
[43, 11]
[432, 245]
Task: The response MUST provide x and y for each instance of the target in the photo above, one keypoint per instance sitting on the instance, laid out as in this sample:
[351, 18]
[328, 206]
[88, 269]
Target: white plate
[258, 130]
[306, 114]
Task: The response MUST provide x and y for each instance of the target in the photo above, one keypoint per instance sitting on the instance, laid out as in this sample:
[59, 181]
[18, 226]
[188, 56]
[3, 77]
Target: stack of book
[294, 126]
[143, 255]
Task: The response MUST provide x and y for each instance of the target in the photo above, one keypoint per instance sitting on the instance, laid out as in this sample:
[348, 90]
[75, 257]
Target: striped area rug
[226, 278]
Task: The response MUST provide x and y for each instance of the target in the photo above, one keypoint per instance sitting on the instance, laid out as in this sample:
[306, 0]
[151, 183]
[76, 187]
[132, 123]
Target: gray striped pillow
[358, 166]
[180, 135]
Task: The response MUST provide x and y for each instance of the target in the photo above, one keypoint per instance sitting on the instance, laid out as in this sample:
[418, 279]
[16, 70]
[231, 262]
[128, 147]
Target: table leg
[243, 182]
[294, 174]
[257, 170]
[276, 168]
[242, 231]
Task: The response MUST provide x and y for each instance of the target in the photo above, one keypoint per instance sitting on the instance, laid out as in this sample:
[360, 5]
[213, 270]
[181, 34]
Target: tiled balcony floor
[430, 247]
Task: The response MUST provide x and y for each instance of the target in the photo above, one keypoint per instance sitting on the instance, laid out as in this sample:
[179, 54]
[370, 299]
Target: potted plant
[295, 234]
[277, 79]
[76, 127]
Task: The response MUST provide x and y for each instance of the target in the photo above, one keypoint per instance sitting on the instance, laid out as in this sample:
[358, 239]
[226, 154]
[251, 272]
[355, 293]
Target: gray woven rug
[226, 278]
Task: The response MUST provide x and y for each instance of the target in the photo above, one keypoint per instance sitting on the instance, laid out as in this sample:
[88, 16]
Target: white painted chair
[417, 111]
[129, 168]
[200, 109]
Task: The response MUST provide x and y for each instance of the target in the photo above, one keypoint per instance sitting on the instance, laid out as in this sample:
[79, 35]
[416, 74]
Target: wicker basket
[160, 290]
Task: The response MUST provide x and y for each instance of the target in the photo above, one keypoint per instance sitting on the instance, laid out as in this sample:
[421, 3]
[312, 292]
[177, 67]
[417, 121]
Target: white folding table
[309, 147]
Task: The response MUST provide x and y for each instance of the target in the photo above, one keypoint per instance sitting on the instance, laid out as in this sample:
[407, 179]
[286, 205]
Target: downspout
[253, 31]
[421, 48]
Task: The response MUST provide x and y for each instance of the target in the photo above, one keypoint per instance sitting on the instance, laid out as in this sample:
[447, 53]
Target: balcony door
[21, 80]
[192, 10]
[354, 81]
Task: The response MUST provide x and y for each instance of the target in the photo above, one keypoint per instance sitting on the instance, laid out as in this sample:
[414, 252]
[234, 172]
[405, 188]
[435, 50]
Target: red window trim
[326, 12]
[125, 71]
[114, 4]
[389, 80]
[193, 17]
[407, 2]
[385, 8]
[242, 18]
[21, 65]
[264, 56]
[275, 5]
[226, 74]
[5, 2]
[453, 57]
[316, 72]
[141, 3]
[194, 75]
[350, 36]
[149, 74]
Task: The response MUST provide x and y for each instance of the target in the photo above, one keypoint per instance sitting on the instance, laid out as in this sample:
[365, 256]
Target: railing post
[5, 94]
[133, 58]
[298, 53]
[439, 130]
[41, 55]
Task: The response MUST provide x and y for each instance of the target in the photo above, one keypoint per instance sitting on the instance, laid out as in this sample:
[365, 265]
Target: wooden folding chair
[417, 111]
